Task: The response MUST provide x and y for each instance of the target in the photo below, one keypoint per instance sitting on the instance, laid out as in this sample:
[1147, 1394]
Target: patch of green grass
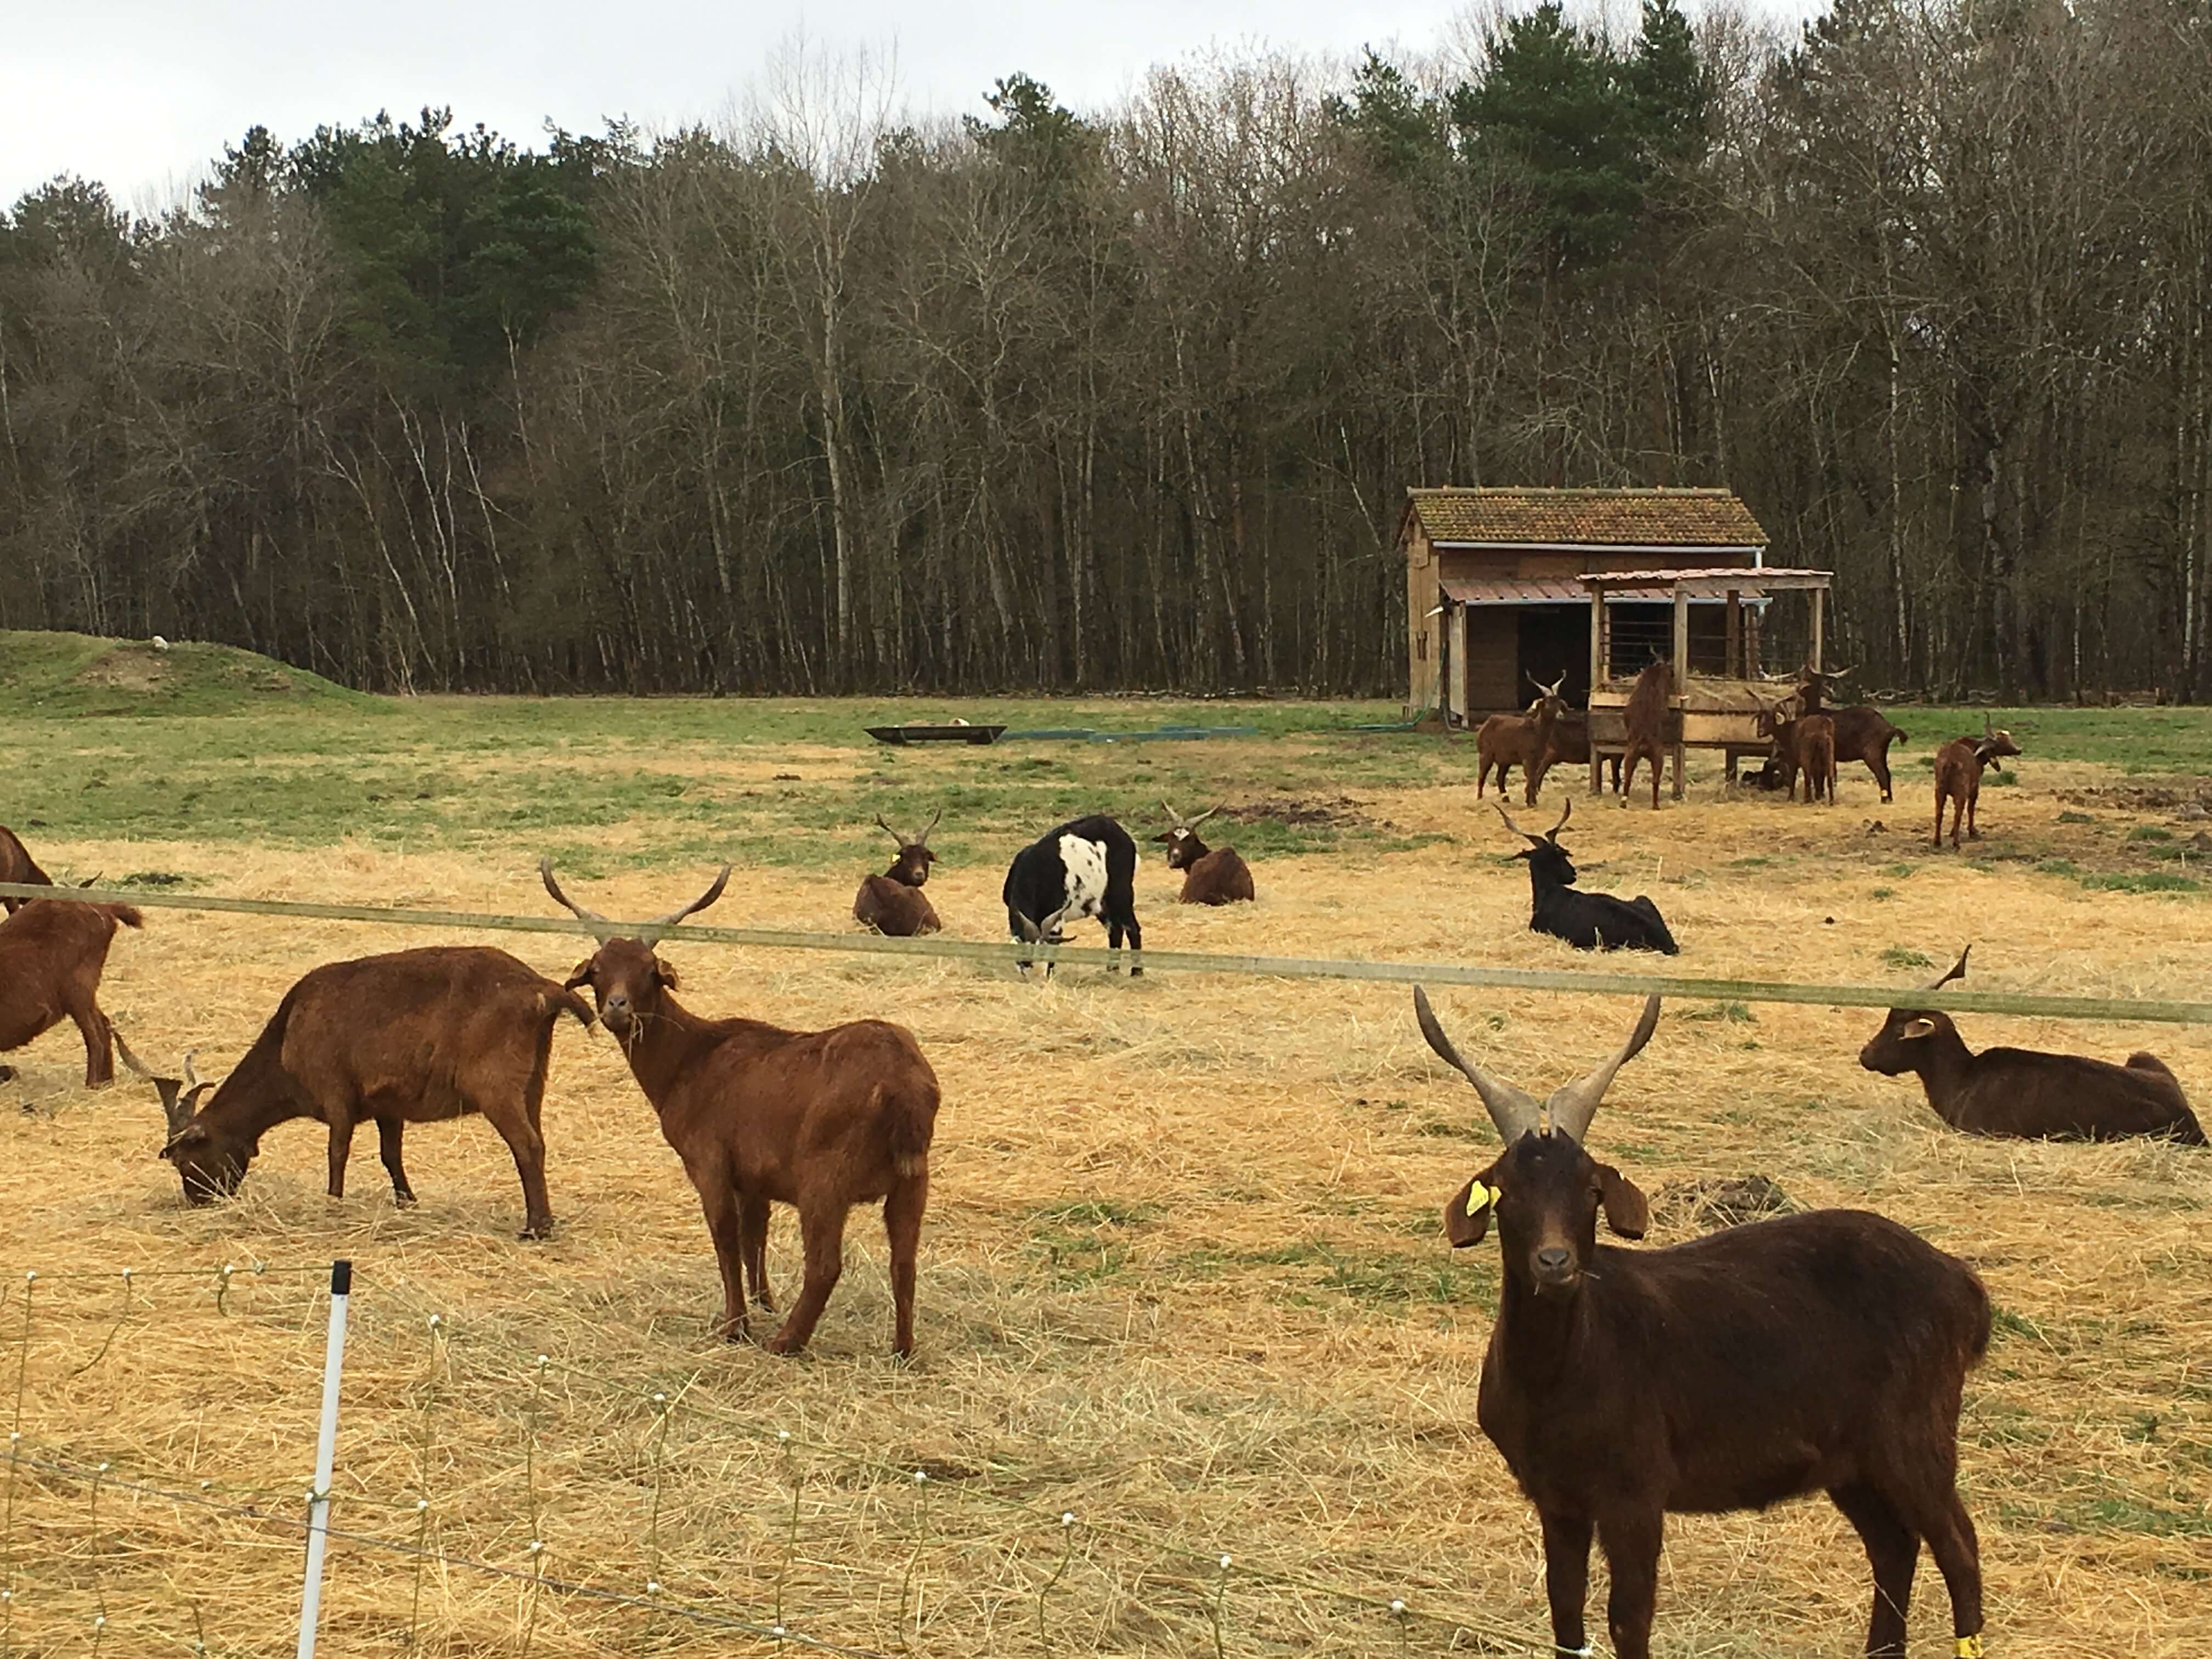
[1901, 956]
[1898, 869]
[1736, 1013]
[2141, 881]
[2002, 780]
[1097, 1212]
[2150, 832]
[2059, 868]
[1881, 892]
[2075, 817]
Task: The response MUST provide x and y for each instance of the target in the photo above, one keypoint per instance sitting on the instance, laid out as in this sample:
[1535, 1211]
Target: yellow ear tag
[1480, 1197]
[1970, 1647]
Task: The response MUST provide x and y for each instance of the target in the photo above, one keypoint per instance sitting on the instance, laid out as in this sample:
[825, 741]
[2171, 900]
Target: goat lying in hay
[1826, 1352]
[1589, 921]
[412, 1037]
[1211, 875]
[893, 903]
[2025, 1094]
[820, 1121]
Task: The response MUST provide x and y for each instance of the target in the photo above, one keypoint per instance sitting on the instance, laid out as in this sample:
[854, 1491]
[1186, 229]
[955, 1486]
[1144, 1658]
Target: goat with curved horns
[1589, 921]
[1211, 875]
[2023, 1093]
[1823, 1351]
[893, 903]
[820, 1121]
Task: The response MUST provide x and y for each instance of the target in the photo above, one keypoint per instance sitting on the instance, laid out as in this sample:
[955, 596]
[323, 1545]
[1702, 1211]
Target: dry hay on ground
[1182, 1276]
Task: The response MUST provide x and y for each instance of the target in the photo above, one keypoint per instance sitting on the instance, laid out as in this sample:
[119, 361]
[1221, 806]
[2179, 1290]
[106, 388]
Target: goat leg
[754, 1213]
[902, 1211]
[821, 1231]
[341, 1122]
[1631, 1540]
[724, 1210]
[1566, 1578]
[389, 1132]
[99, 1045]
[1944, 1522]
[1893, 1551]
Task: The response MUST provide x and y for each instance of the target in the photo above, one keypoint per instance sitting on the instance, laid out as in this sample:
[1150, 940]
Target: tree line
[825, 400]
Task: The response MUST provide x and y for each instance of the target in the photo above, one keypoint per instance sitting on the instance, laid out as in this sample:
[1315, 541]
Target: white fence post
[326, 1446]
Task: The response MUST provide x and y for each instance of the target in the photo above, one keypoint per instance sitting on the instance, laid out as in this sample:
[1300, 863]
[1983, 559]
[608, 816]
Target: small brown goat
[1826, 1352]
[821, 1120]
[1959, 767]
[1816, 757]
[1863, 732]
[2024, 1094]
[1569, 746]
[413, 1036]
[1211, 875]
[52, 952]
[1506, 741]
[17, 864]
[1645, 718]
[893, 903]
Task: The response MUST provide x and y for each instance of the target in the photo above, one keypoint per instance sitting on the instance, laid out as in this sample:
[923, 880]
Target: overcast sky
[140, 93]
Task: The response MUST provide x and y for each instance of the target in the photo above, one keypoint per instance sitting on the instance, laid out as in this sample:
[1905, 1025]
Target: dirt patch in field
[1341, 813]
[128, 668]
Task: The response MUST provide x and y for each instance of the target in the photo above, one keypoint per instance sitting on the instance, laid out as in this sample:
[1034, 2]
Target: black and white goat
[1085, 868]
[1589, 921]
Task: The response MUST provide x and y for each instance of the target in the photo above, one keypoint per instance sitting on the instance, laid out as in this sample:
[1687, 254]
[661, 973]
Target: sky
[140, 94]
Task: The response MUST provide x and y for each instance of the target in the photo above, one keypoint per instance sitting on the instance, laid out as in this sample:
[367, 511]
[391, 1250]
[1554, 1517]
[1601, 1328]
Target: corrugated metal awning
[1569, 590]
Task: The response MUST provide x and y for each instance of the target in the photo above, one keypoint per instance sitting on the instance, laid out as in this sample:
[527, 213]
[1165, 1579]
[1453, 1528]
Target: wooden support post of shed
[1456, 620]
[1819, 615]
[1598, 652]
[1732, 652]
[1681, 678]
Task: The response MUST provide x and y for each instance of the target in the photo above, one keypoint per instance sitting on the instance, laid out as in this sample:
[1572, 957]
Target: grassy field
[1183, 1275]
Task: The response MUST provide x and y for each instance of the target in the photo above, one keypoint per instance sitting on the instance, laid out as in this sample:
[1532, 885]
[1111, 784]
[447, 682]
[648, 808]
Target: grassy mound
[80, 674]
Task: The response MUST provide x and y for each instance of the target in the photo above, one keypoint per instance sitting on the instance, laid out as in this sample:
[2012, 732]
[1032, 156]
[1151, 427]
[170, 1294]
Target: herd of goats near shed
[1813, 1352]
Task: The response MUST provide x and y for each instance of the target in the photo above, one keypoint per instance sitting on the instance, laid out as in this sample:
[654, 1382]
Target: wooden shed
[1495, 591]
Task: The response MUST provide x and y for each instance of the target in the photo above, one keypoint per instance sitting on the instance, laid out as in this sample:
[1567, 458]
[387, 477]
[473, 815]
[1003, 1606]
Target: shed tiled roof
[1585, 517]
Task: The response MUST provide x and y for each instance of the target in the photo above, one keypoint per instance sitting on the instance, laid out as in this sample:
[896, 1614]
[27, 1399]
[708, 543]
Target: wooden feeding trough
[904, 734]
[1709, 711]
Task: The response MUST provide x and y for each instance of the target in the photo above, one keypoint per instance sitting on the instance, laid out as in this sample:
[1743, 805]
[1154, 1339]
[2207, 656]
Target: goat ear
[1921, 1027]
[581, 975]
[667, 973]
[1626, 1210]
[1466, 1216]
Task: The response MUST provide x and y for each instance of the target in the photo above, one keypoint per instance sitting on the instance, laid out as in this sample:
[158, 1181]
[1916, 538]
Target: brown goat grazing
[17, 864]
[1825, 1352]
[1211, 875]
[1506, 741]
[820, 1121]
[52, 952]
[1646, 720]
[2022, 1094]
[1959, 767]
[893, 903]
[413, 1036]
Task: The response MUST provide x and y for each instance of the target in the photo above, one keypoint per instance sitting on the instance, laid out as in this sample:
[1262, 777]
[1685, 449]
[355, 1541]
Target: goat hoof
[404, 1201]
[533, 1233]
[783, 1344]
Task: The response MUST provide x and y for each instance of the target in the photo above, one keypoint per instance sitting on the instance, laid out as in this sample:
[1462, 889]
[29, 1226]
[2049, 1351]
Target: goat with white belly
[1085, 868]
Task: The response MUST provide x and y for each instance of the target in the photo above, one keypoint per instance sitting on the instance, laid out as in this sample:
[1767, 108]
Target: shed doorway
[1554, 640]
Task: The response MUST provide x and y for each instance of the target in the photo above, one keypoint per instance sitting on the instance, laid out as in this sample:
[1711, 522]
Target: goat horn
[1515, 1111]
[1957, 969]
[91, 881]
[1175, 818]
[546, 870]
[1573, 1107]
[1534, 841]
[892, 832]
[1202, 817]
[130, 1059]
[697, 904]
[1553, 833]
[922, 839]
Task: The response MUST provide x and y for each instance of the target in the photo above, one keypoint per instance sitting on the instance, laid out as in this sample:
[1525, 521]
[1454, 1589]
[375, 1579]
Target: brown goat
[1506, 741]
[1959, 767]
[1863, 732]
[17, 864]
[821, 1120]
[1826, 1352]
[893, 903]
[52, 952]
[1569, 746]
[2023, 1094]
[1816, 757]
[1211, 875]
[413, 1036]
[1645, 718]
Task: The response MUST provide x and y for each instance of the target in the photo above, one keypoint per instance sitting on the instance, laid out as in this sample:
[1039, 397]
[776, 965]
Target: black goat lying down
[1589, 921]
[1818, 1353]
[2025, 1094]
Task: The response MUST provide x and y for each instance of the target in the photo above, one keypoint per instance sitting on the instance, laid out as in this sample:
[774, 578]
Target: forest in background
[824, 399]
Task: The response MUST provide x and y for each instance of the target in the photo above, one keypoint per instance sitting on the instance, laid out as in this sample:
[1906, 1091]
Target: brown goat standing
[1816, 757]
[1645, 718]
[1863, 733]
[820, 1121]
[411, 1037]
[1826, 1352]
[17, 864]
[1506, 741]
[893, 903]
[1959, 767]
[52, 952]
[1211, 875]
[2020, 1093]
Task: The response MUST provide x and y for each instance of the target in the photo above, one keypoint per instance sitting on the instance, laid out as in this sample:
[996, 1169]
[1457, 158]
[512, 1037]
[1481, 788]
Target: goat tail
[910, 1115]
[1977, 1342]
[129, 914]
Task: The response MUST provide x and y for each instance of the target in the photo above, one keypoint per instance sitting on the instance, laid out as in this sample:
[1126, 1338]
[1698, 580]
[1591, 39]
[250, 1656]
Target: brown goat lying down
[820, 1121]
[52, 952]
[415, 1036]
[2025, 1094]
[1817, 1352]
